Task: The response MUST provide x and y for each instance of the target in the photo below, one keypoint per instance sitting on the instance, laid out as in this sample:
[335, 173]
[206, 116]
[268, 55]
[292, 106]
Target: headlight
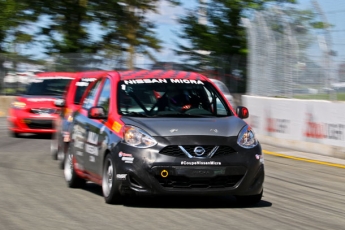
[136, 137]
[246, 138]
[18, 105]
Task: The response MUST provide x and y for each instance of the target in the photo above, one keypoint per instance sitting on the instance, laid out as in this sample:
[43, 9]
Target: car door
[96, 134]
[81, 124]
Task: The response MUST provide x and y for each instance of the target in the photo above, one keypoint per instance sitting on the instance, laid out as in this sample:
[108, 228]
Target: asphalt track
[33, 195]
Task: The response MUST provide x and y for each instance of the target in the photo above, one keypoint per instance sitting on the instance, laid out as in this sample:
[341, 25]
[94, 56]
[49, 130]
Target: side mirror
[97, 112]
[242, 112]
[59, 102]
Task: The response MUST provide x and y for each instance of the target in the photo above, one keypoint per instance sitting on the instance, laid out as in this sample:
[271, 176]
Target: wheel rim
[68, 169]
[107, 182]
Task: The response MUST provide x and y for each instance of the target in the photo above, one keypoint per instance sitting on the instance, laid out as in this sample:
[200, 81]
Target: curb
[304, 159]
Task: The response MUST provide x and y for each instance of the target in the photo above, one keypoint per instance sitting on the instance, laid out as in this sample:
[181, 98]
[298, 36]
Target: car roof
[133, 74]
[57, 74]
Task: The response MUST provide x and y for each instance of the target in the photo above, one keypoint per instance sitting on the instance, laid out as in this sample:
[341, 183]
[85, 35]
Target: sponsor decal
[121, 176]
[201, 163]
[173, 130]
[154, 80]
[92, 159]
[260, 158]
[276, 125]
[318, 130]
[116, 126]
[92, 138]
[79, 153]
[93, 150]
[78, 131]
[89, 79]
[126, 157]
[81, 83]
[254, 121]
[78, 144]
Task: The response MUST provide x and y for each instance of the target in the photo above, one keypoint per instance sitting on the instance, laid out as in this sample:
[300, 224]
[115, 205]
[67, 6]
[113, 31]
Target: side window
[91, 95]
[216, 102]
[221, 110]
[104, 98]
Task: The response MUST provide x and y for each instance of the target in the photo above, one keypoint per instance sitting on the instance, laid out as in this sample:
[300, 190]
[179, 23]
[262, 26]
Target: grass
[340, 97]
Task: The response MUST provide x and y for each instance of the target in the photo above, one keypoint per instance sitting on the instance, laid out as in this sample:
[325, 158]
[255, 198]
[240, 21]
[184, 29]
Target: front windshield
[170, 98]
[48, 86]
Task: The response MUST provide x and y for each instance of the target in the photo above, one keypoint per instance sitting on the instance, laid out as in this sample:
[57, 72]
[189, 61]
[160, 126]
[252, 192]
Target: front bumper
[25, 122]
[146, 171]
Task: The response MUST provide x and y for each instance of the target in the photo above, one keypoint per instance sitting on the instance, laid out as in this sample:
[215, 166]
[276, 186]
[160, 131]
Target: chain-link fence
[16, 71]
[288, 57]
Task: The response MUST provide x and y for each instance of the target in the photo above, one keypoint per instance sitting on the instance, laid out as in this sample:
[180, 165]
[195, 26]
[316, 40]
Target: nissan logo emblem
[199, 151]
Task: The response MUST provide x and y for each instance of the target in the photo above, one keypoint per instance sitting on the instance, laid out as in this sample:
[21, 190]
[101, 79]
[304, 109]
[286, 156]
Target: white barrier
[306, 125]
[5, 103]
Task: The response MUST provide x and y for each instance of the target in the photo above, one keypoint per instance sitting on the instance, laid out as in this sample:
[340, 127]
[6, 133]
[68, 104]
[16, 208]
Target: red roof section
[176, 74]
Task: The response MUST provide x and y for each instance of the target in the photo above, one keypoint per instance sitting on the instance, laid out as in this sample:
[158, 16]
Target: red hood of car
[38, 102]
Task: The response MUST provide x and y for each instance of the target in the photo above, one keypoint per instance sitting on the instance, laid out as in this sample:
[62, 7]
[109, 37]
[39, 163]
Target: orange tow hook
[164, 173]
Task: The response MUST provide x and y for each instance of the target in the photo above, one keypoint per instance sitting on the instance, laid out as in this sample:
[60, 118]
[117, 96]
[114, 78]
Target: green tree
[65, 32]
[15, 17]
[223, 36]
[127, 29]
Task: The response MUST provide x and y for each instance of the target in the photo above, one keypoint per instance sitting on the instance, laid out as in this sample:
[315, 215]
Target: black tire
[14, 134]
[249, 200]
[110, 186]
[54, 149]
[61, 155]
[71, 177]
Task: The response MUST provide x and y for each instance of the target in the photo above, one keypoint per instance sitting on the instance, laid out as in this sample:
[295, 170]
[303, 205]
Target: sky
[167, 26]
[333, 10]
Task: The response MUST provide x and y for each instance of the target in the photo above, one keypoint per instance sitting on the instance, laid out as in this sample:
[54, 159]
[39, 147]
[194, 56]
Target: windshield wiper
[134, 114]
[181, 115]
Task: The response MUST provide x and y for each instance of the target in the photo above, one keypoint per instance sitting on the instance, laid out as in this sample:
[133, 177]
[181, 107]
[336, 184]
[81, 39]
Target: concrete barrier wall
[5, 103]
[313, 126]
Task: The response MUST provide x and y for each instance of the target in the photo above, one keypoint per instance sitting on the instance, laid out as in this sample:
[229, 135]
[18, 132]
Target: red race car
[34, 111]
[69, 103]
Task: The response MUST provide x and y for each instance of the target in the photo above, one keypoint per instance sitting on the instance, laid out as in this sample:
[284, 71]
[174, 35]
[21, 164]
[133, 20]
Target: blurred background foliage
[214, 37]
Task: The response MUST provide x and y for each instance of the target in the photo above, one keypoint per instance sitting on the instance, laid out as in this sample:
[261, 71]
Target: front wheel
[71, 177]
[249, 200]
[14, 134]
[109, 186]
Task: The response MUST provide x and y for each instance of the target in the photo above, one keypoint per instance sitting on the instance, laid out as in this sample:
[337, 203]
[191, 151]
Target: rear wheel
[249, 200]
[109, 186]
[71, 177]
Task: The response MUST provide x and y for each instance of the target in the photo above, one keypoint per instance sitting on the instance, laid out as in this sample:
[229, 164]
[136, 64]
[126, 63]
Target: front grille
[44, 110]
[39, 124]
[175, 151]
[183, 182]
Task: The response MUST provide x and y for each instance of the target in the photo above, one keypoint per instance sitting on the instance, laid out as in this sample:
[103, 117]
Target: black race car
[163, 133]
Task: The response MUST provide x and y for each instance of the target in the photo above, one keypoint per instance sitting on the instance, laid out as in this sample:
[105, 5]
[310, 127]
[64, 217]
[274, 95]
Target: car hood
[220, 126]
[38, 101]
